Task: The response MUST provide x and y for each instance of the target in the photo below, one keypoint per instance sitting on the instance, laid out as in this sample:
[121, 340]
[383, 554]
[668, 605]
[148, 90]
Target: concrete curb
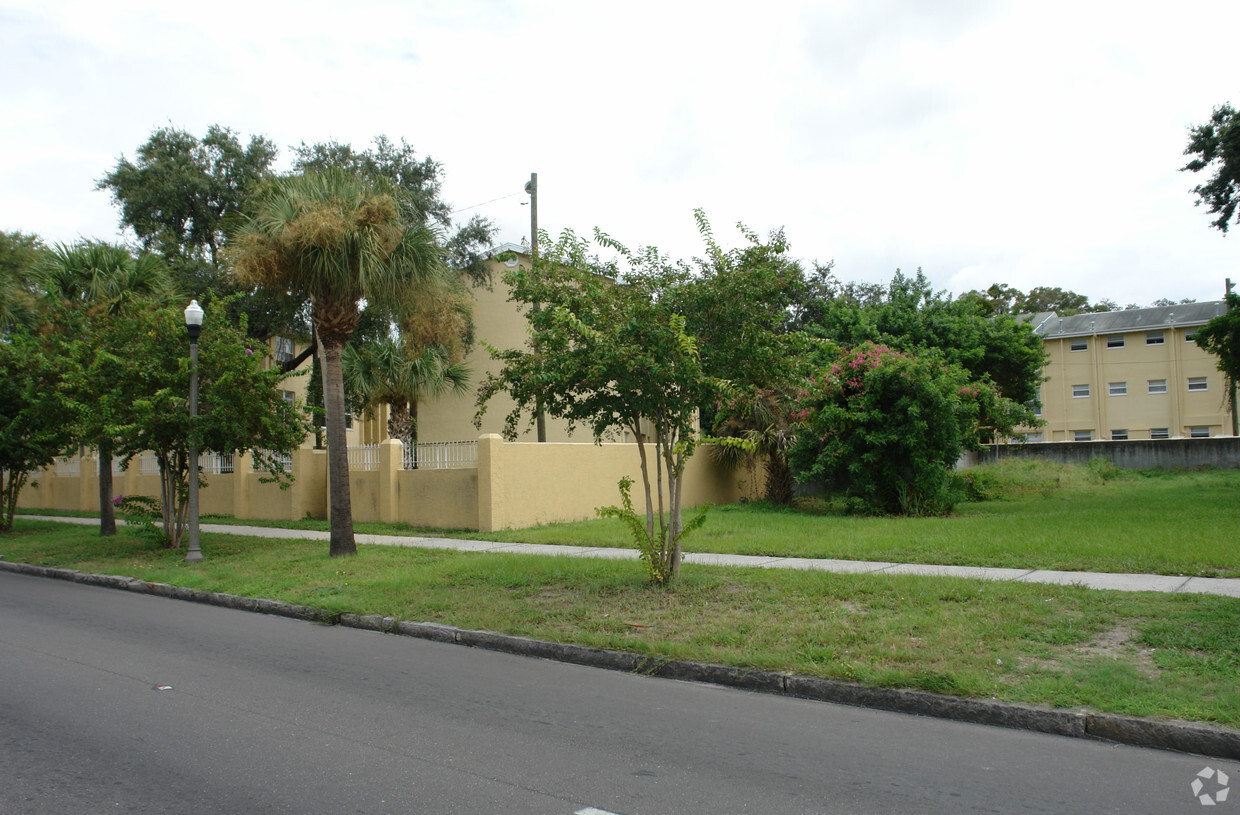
[1165, 734]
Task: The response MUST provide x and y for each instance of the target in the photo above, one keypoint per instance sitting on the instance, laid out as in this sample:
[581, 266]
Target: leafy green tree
[1216, 146]
[38, 416]
[144, 359]
[179, 195]
[912, 316]
[100, 281]
[1221, 337]
[18, 255]
[332, 240]
[886, 427]
[608, 351]
[739, 305]
[180, 191]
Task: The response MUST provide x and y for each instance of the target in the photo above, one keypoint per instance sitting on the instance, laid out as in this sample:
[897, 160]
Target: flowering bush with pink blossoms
[887, 427]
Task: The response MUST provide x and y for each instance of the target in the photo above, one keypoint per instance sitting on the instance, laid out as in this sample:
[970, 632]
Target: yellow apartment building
[1133, 374]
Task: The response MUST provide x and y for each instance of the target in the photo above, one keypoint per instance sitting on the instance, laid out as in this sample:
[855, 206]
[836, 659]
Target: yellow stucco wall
[515, 485]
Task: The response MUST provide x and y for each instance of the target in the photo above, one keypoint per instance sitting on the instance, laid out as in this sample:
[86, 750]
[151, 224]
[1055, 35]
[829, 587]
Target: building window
[1199, 432]
[1154, 338]
[348, 421]
[1037, 408]
[1117, 389]
[288, 396]
[1081, 344]
[1080, 391]
[1032, 438]
[1159, 433]
[1119, 435]
[1157, 386]
[284, 350]
[1082, 435]
[1198, 383]
[1115, 341]
[1191, 336]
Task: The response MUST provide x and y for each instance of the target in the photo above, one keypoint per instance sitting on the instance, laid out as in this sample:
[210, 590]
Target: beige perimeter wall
[515, 485]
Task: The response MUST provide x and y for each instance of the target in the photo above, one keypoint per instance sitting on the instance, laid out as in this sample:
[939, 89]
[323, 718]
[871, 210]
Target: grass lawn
[1182, 523]
[1046, 517]
[1144, 654]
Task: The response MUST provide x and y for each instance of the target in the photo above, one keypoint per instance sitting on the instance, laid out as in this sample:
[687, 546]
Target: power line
[484, 203]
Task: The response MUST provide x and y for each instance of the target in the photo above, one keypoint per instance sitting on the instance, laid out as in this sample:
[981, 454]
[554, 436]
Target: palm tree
[389, 372]
[102, 279]
[334, 241]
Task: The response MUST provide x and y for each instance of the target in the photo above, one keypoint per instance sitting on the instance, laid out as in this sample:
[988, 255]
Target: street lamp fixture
[193, 326]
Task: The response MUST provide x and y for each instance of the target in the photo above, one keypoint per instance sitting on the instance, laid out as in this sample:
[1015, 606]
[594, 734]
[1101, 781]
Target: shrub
[887, 427]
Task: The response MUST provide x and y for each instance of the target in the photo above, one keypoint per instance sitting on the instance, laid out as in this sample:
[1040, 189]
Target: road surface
[270, 715]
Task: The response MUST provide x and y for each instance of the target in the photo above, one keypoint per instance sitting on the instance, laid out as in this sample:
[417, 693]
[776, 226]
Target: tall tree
[739, 303]
[240, 408]
[19, 254]
[101, 281]
[180, 191]
[1216, 146]
[417, 184]
[1221, 337]
[333, 240]
[38, 417]
[393, 373]
[607, 350]
[912, 315]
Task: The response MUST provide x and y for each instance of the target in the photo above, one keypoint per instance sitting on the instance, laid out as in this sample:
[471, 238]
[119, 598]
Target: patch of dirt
[1117, 643]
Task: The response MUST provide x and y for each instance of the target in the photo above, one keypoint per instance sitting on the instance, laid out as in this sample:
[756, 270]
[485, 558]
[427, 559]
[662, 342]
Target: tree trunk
[107, 510]
[342, 540]
[779, 481]
[400, 426]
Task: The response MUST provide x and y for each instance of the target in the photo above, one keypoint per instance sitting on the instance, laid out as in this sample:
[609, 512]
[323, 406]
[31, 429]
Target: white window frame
[1080, 391]
[285, 350]
[1115, 341]
[1033, 438]
[1199, 432]
[1196, 384]
[1191, 336]
[1156, 386]
[1076, 435]
[1154, 338]
[1117, 389]
[1084, 343]
[1160, 432]
[1119, 435]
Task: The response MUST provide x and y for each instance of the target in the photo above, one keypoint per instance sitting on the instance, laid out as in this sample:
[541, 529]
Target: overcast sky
[1031, 143]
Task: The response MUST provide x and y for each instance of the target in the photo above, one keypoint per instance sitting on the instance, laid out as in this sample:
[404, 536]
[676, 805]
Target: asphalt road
[272, 715]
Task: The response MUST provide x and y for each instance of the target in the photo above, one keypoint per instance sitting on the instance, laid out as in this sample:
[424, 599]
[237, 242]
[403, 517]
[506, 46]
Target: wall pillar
[391, 462]
[242, 480]
[491, 510]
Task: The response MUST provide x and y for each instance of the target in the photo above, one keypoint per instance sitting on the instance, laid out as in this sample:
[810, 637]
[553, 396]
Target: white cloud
[1033, 144]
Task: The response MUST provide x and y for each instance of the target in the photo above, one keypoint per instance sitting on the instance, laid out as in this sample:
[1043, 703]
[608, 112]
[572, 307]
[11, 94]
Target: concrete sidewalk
[1228, 587]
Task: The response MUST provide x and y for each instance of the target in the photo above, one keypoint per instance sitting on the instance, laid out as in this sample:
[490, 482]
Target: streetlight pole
[193, 326]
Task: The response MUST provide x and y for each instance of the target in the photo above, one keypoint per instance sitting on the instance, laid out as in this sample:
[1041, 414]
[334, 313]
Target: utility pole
[1235, 419]
[531, 187]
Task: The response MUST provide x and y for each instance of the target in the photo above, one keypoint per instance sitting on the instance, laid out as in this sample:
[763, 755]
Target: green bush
[887, 427]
